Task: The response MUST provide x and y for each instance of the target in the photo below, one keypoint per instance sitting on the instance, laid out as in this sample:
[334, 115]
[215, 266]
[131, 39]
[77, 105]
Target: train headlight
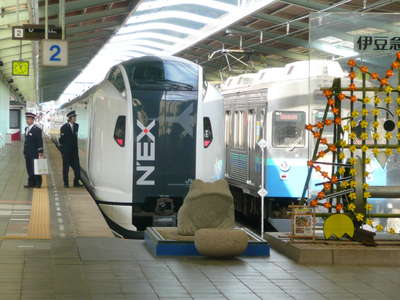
[284, 166]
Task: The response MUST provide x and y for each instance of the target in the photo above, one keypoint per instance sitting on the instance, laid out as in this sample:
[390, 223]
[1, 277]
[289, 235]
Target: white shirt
[72, 126]
[29, 129]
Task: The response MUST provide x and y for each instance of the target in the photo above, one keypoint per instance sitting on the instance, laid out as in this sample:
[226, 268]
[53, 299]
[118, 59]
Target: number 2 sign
[54, 53]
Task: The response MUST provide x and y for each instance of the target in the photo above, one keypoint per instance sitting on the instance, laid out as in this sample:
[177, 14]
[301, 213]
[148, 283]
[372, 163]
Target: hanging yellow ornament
[364, 136]
[352, 184]
[355, 114]
[377, 100]
[379, 227]
[388, 89]
[347, 127]
[388, 100]
[366, 100]
[365, 186]
[375, 135]
[369, 222]
[341, 156]
[353, 123]
[341, 170]
[388, 135]
[375, 151]
[364, 112]
[364, 148]
[352, 196]
[368, 206]
[359, 217]
[367, 160]
[344, 184]
[352, 160]
[375, 124]
[353, 148]
[391, 230]
[364, 124]
[351, 207]
[388, 151]
[352, 135]
[376, 112]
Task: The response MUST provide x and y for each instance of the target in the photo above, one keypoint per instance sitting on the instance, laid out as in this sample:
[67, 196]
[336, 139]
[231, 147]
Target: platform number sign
[54, 53]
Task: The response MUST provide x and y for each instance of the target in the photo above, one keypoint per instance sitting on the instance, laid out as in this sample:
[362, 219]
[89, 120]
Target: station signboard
[35, 32]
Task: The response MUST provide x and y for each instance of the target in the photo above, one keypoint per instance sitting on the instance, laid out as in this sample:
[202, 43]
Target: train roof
[125, 63]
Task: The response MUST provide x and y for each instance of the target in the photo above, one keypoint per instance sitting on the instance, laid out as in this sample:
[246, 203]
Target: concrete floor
[83, 261]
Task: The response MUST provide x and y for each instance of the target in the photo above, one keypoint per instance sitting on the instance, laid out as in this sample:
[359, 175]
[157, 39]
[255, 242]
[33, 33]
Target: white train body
[146, 131]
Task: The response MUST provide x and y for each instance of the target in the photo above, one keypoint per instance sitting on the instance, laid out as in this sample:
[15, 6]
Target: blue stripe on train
[288, 184]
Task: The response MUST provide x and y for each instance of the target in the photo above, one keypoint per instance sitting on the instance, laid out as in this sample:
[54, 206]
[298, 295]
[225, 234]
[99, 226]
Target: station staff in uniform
[69, 149]
[33, 149]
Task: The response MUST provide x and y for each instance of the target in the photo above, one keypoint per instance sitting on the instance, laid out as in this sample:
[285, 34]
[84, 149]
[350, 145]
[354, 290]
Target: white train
[149, 128]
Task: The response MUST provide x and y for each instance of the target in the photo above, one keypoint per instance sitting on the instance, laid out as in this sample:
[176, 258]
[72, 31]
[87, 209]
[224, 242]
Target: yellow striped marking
[39, 221]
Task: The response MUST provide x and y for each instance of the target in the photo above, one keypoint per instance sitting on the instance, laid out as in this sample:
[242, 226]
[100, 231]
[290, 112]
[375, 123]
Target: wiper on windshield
[176, 84]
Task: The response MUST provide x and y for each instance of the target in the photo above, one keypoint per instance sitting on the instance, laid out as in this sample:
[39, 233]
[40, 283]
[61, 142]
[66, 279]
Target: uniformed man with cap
[33, 149]
[69, 149]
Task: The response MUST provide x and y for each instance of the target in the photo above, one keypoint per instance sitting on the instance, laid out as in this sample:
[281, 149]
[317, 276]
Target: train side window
[288, 129]
[251, 133]
[228, 127]
[119, 131]
[117, 80]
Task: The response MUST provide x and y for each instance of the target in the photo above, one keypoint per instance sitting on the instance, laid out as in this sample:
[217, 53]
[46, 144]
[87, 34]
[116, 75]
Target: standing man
[33, 149]
[69, 149]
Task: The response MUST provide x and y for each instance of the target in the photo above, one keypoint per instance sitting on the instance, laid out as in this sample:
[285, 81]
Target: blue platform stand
[159, 246]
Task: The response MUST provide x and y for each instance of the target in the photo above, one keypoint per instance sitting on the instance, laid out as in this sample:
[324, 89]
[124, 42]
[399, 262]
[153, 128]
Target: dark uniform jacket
[33, 142]
[69, 138]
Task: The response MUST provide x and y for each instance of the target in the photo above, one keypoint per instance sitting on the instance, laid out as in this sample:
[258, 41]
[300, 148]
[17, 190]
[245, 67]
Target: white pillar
[4, 112]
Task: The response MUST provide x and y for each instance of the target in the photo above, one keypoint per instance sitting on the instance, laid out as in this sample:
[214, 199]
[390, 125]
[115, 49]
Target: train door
[257, 122]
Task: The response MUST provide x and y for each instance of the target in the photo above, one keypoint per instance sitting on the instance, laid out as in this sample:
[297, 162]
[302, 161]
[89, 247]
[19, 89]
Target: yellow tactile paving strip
[39, 221]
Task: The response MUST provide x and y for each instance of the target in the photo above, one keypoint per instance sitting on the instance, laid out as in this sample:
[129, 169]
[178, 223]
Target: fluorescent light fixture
[330, 39]
[367, 31]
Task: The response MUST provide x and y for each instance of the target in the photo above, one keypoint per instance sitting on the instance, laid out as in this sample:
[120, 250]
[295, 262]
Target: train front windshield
[163, 75]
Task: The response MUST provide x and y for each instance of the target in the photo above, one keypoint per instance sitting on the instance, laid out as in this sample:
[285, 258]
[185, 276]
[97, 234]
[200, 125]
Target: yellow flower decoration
[388, 89]
[366, 174]
[376, 112]
[364, 124]
[369, 222]
[398, 111]
[344, 184]
[388, 100]
[355, 114]
[388, 135]
[364, 136]
[367, 195]
[398, 136]
[341, 170]
[379, 227]
[352, 183]
[353, 172]
[389, 151]
[398, 149]
[341, 155]
[375, 151]
[367, 100]
[351, 207]
[353, 123]
[364, 148]
[391, 230]
[364, 112]
[377, 100]
[352, 135]
[368, 206]
[352, 160]
[347, 127]
[342, 143]
[367, 160]
[359, 217]
[375, 124]
[375, 136]
[398, 99]
[398, 124]
[365, 186]
[352, 196]
[353, 148]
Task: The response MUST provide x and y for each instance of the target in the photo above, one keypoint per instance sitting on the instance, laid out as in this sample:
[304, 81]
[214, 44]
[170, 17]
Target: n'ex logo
[145, 152]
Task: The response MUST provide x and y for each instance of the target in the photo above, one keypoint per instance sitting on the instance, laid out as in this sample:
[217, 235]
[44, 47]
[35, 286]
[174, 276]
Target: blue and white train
[146, 131]
[275, 104]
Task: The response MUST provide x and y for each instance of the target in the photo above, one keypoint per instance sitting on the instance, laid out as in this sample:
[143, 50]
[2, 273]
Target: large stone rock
[207, 205]
[220, 242]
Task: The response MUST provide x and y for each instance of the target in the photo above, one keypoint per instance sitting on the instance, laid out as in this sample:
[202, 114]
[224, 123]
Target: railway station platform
[55, 244]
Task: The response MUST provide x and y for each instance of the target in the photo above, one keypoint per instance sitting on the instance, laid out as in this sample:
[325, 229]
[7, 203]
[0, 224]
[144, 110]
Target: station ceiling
[89, 24]
[280, 43]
